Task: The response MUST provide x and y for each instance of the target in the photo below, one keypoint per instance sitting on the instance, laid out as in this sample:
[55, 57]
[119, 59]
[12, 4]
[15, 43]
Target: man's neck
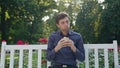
[65, 33]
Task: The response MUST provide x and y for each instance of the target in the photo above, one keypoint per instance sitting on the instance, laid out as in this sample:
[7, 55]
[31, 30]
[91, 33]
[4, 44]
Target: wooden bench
[11, 49]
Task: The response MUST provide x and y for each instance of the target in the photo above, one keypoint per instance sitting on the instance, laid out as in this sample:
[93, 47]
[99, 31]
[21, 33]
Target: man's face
[64, 24]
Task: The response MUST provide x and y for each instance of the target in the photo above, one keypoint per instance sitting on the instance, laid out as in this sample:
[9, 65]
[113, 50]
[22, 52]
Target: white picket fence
[96, 47]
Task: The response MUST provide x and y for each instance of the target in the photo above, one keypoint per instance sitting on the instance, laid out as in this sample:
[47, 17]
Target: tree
[110, 29]
[70, 6]
[25, 19]
[88, 20]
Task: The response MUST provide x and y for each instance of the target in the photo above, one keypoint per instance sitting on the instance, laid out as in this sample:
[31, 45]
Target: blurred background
[98, 21]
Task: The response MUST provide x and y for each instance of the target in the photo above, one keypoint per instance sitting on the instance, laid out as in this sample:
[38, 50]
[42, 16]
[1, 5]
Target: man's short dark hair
[60, 16]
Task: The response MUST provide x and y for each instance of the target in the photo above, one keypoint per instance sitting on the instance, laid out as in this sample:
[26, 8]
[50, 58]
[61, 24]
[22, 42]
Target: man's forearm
[80, 55]
[50, 55]
[73, 48]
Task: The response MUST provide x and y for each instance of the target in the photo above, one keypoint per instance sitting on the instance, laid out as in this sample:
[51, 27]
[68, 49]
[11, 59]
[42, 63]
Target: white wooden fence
[96, 47]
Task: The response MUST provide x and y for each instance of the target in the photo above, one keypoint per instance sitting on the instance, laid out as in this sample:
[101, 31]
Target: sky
[100, 1]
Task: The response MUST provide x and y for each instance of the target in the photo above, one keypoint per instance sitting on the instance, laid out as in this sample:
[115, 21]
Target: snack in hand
[66, 38]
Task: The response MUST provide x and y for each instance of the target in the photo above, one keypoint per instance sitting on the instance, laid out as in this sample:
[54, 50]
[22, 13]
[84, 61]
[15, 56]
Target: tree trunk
[3, 22]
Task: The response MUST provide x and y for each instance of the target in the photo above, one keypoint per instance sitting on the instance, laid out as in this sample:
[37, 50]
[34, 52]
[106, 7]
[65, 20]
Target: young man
[64, 46]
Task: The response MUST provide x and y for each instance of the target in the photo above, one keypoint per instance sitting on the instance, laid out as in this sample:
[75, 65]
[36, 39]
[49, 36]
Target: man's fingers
[62, 40]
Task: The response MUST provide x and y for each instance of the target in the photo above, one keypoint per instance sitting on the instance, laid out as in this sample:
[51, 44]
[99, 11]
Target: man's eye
[67, 22]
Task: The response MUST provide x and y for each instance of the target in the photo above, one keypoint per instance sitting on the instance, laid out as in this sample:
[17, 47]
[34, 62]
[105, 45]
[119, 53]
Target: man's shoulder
[54, 33]
[75, 33]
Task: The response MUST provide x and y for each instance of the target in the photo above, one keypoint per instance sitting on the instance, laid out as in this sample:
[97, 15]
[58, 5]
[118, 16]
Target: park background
[98, 21]
[32, 21]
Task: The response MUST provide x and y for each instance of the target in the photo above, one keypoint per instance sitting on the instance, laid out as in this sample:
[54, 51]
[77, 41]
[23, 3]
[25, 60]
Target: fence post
[115, 54]
[3, 54]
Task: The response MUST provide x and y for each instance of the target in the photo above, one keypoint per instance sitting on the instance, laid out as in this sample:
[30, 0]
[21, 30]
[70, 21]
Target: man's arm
[80, 52]
[78, 49]
[50, 49]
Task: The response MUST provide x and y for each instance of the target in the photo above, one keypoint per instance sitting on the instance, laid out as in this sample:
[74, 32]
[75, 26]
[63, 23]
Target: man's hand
[59, 45]
[65, 42]
[70, 43]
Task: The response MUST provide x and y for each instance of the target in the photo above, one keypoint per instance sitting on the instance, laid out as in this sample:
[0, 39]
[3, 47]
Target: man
[64, 46]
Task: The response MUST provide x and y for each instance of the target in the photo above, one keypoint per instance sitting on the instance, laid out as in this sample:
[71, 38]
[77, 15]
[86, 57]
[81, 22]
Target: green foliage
[88, 21]
[44, 64]
[69, 6]
[25, 59]
[23, 19]
[110, 20]
[99, 22]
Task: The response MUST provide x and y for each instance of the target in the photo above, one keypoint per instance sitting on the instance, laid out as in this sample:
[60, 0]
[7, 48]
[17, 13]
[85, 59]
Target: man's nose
[66, 23]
